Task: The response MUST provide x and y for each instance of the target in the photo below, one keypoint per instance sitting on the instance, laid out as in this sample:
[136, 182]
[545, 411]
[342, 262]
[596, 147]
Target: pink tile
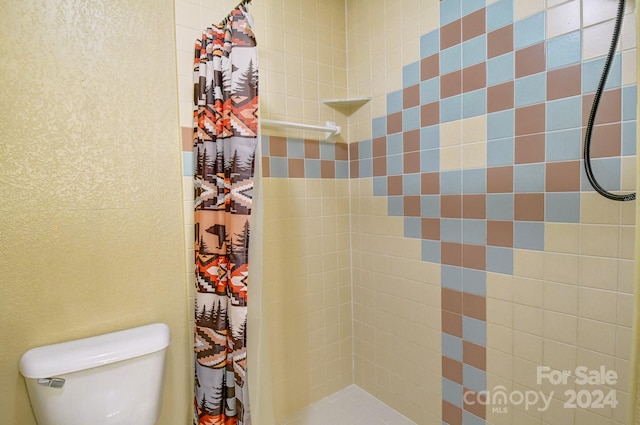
[500, 41]
[564, 82]
[530, 60]
[530, 148]
[430, 67]
[474, 206]
[430, 114]
[394, 123]
[474, 77]
[430, 183]
[563, 176]
[412, 206]
[530, 119]
[528, 206]
[431, 228]
[451, 84]
[500, 179]
[500, 233]
[474, 257]
[473, 25]
[451, 34]
[394, 185]
[500, 97]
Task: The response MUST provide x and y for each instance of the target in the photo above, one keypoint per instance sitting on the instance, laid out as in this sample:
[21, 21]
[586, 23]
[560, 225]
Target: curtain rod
[226, 19]
[330, 129]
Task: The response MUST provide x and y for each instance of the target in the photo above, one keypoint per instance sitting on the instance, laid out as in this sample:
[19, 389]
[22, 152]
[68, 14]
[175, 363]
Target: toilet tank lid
[86, 353]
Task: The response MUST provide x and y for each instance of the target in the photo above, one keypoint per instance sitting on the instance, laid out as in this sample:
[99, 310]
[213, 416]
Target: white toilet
[111, 379]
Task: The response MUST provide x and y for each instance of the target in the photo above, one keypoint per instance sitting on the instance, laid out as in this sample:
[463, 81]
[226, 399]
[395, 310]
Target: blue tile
[411, 119]
[451, 277]
[430, 160]
[451, 230]
[529, 31]
[365, 167]
[474, 180]
[430, 137]
[430, 90]
[592, 72]
[529, 177]
[500, 152]
[528, 235]
[451, 109]
[394, 144]
[312, 168]
[188, 164]
[474, 51]
[394, 165]
[474, 330]
[629, 102]
[328, 151]
[474, 232]
[564, 50]
[295, 148]
[501, 124]
[264, 141]
[474, 103]
[563, 145]
[500, 206]
[564, 113]
[394, 102]
[469, 418]
[410, 74]
[473, 378]
[499, 14]
[365, 149]
[395, 206]
[452, 392]
[470, 6]
[279, 167]
[562, 207]
[429, 44]
[629, 138]
[451, 182]
[411, 184]
[380, 186]
[530, 90]
[430, 205]
[452, 347]
[606, 172]
[431, 251]
[450, 10]
[413, 227]
[379, 127]
[500, 69]
[342, 169]
[474, 281]
[500, 260]
[451, 59]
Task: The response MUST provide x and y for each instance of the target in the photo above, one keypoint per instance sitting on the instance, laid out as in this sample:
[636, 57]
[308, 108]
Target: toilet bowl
[110, 379]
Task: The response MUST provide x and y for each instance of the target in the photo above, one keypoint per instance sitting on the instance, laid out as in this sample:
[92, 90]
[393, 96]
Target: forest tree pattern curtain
[225, 137]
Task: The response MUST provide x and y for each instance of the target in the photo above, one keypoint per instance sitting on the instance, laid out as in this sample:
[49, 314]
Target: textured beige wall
[91, 233]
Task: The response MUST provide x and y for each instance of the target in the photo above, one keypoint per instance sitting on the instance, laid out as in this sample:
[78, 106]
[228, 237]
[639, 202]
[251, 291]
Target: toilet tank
[110, 379]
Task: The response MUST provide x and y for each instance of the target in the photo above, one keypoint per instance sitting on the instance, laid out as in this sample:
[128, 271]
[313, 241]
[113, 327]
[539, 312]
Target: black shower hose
[594, 110]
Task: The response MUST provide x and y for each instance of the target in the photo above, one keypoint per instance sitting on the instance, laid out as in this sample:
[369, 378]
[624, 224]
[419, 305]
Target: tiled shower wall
[476, 249]
[474, 154]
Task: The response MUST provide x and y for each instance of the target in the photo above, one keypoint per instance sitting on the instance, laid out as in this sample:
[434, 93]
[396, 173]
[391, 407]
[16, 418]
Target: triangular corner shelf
[347, 105]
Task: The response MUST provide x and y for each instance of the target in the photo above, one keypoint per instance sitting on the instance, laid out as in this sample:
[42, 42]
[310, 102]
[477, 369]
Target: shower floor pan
[350, 406]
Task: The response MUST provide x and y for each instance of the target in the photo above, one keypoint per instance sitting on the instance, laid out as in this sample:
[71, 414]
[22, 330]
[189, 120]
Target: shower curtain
[225, 137]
